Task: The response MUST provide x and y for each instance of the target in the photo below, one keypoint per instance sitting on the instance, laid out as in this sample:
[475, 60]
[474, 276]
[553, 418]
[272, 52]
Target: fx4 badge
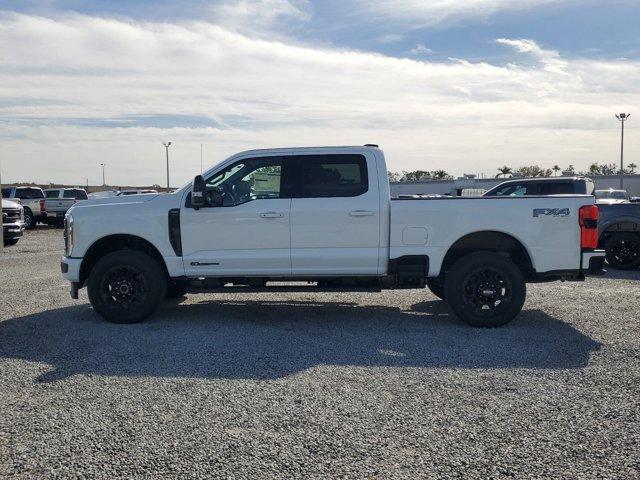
[554, 212]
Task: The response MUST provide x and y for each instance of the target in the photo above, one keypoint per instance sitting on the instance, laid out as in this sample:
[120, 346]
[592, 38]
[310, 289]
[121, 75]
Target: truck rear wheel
[126, 286]
[485, 289]
[436, 286]
[29, 219]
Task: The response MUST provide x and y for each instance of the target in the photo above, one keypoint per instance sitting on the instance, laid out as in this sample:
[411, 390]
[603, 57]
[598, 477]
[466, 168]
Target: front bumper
[70, 268]
[593, 262]
[12, 230]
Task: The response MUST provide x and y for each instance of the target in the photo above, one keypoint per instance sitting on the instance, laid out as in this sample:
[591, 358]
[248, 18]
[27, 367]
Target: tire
[126, 286]
[176, 289]
[623, 251]
[485, 289]
[29, 219]
[436, 285]
[10, 242]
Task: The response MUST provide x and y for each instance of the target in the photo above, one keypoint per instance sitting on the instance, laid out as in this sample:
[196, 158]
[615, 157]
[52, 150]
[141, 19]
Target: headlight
[68, 234]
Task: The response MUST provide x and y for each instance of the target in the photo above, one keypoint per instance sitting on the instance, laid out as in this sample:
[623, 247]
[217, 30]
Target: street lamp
[103, 182]
[622, 117]
[166, 147]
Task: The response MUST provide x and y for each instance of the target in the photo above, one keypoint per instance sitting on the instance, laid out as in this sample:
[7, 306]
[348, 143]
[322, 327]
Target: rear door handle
[272, 215]
[361, 213]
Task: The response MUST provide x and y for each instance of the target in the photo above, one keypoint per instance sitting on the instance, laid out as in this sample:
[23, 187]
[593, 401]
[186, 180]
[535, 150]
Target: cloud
[257, 17]
[435, 12]
[419, 50]
[549, 58]
[79, 90]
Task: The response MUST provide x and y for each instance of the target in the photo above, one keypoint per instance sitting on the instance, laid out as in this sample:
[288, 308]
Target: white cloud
[257, 17]
[420, 50]
[64, 81]
[434, 12]
[549, 58]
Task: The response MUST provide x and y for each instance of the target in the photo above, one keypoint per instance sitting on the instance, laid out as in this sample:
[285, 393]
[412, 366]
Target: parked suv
[543, 186]
[12, 222]
[59, 200]
[32, 199]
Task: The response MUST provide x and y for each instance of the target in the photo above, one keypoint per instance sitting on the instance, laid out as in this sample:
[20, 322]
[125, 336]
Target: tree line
[526, 171]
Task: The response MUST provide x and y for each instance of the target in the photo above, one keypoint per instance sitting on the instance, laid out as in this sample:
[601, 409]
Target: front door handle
[272, 215]
[361, 213]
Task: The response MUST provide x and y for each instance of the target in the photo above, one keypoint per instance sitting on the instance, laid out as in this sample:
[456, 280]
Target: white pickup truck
[317, 219]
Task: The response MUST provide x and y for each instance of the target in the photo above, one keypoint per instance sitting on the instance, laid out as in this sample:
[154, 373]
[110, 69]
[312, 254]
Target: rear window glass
[316, 176]
[81, 195]
[557, 188]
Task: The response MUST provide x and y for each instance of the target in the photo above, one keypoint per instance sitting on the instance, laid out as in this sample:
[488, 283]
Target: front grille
[11, 215]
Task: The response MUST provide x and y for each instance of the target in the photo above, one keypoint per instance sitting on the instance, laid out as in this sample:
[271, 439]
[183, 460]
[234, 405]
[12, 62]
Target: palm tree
[632, 167]
[440, 175]
[504, 171]
[556, 169]
[594, 169]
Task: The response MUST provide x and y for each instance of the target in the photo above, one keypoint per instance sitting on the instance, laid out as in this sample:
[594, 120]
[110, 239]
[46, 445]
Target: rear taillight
[588, 218]
[43, 208]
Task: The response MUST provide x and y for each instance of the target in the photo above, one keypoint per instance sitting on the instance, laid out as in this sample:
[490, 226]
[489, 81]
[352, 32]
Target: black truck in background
[619, 224]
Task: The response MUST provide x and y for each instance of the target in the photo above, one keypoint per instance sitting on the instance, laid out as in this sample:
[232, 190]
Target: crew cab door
[335, 214]
[244, 227]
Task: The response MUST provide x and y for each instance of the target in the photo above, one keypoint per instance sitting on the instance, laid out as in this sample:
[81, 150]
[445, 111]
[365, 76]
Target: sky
[464, 86]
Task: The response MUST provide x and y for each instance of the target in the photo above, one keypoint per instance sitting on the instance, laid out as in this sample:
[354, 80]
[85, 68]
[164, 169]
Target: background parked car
[59, 200]
[135, 192]
[12, 222]
[543, 186]
[612, 196]
[32, 199]
[104, 194]
[619, 226]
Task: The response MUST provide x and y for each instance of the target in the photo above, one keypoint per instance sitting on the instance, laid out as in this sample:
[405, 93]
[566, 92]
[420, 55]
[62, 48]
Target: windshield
[612, 194]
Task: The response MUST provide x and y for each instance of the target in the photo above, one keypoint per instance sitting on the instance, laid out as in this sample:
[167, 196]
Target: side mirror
[197, 192]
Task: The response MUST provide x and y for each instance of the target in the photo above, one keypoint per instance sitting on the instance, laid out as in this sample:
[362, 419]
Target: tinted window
[517, 190]
[81, 195]
[51, 194]
[69, 194]
[6, 192]
[557, 188]
[35, 193]
[314, 176]
[247, 180]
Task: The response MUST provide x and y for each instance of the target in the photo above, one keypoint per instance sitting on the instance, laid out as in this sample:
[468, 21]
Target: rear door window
[81, 195]
[557, 188]
[316, 176]
[69, 194]
[51, 194]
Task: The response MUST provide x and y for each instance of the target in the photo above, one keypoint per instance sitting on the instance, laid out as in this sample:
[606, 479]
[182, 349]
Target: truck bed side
[547, 227]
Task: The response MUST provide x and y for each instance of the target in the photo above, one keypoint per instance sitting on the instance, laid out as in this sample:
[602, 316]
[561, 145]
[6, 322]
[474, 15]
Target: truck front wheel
[485, 289]
[126, 286]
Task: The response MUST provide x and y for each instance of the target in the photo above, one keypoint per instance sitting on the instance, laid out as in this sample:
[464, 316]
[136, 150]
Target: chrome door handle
[272, 215]
[361, 213]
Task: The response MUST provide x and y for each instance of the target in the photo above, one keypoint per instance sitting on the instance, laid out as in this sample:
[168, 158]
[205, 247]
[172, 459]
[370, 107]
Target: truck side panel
[547, 227]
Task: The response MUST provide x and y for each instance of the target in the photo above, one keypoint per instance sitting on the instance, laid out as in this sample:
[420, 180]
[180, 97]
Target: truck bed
[547, 227]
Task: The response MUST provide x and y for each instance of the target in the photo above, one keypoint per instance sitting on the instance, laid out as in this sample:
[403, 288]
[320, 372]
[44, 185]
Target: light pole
[166, 147]
[103, 182]
[622, 117]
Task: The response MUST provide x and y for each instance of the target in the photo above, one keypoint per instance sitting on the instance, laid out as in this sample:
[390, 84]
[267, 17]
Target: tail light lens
[588, 218]
[43, 208]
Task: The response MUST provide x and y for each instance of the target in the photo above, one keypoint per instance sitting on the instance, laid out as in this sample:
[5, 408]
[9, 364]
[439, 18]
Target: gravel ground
[333, 385]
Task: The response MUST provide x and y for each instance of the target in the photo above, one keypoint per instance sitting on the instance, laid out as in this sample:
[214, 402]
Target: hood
[10, 204]
[610, 201]
[144, 197]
